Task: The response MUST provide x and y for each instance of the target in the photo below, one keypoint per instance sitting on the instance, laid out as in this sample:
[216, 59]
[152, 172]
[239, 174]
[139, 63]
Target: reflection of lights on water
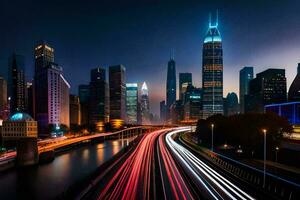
[115, 147]
[86, 154]
[100, 146]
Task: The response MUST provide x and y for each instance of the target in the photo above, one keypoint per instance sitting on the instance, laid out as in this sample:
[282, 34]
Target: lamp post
[212, 137]
[265, 155]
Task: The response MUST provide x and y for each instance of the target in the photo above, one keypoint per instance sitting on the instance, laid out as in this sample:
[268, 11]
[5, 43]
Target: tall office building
[246, 75]
[16, 83]
[51, 91]
[163, 110]
[30, 98]
[185, 79]
[171, 85]
[294, 91]
[132, 103]
[212, 72]
[192, 102]
[268, 87]
[74, 110]
[117, 91]
[97, 96]
[84, 93]
[3, 99]
[145, 106]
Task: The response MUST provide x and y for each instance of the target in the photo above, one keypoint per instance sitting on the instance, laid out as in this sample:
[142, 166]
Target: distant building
[84, 95]
[192, 103]
[18, 126]
[74, 110]
[132, 103]
[246, 75]
[176, 112]
[30, 101]
[231, 104]
[171, 84]
[294, 91]
[268, 87]
[97, 97]
[145, 105]
[3, 99]
[290, 111]
[185, 79]
[16, 83]
[117, 91]
[212, 72]
[51, 91]
[163, 111]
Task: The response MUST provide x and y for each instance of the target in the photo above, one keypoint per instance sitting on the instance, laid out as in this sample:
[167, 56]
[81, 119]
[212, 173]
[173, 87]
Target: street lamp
[276, 151]
[265, 155]
[212, 137]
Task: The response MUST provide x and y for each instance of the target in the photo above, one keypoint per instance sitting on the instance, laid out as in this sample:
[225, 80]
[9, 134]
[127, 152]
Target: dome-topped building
[20, 117]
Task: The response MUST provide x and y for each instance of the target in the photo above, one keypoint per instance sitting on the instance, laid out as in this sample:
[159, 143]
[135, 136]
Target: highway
[160, 168]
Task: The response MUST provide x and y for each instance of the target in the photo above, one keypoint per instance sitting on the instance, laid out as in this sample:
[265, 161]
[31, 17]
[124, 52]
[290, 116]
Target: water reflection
[49, 180]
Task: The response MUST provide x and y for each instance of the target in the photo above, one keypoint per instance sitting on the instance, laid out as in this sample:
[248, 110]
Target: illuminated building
[74, 110]
[84, 93]
[51, 91]
[97, 96]
[231, 104]
[185, 79]
[294, 91]
[290, 111]
[117, 90]
[16, 83]
[30, 98]
[268, 87]
[18, 126]
[212, 72]
[171, 84]
[145, 106]
[246, 75]
[192, 104]
[131, 103]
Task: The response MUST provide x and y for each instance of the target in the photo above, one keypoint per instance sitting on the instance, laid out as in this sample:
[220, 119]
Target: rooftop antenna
[172, 54]
[209, 20]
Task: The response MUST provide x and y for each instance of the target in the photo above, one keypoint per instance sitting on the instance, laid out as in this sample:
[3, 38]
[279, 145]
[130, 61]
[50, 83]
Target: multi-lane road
[161, 168]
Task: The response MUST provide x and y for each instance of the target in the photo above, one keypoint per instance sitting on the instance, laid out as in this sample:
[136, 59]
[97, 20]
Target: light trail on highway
[217, 185]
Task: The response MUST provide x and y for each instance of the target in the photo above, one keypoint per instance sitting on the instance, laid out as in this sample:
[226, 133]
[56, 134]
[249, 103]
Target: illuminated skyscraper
[212, 72]
[171, 83]
[185, 79]
[51, 91]
[117, 92]
[16, 83]
[132, 103]
[145, 107]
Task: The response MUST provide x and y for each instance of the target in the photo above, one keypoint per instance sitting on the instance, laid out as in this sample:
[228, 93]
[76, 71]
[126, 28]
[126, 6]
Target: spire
[217, 18]
[172, 57]
[209, 20]
[144, 89]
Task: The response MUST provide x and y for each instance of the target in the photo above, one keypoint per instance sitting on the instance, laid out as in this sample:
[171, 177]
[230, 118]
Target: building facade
[163, 111]
[246, 75]
[117, 91]
[97, 97]
[212, 72]
[51, 91]
[192, 103]
[269, 87]
[3, 99]
[74, 110]
[132, 103]
[231, 104]
[16, 83]
[84, 93]
[185, 79]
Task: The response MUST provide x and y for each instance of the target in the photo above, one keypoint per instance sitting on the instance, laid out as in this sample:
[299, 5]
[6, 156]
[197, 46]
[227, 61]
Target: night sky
[140, 34]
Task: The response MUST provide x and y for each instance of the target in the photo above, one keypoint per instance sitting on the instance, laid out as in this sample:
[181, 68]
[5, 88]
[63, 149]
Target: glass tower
[131, 102]
[212, 72]
[246, 75]
[171, 83]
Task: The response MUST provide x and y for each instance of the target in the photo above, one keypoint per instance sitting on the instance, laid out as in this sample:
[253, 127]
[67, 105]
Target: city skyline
[182, 27]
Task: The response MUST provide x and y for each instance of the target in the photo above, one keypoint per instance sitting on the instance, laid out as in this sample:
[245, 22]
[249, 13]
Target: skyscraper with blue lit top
[212, 72]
